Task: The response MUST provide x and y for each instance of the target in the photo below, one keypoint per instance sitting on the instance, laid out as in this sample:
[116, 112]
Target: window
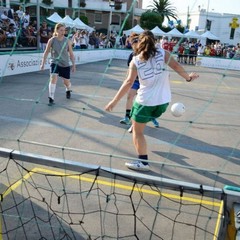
[208, 25]
[98, 18]
[115, 20]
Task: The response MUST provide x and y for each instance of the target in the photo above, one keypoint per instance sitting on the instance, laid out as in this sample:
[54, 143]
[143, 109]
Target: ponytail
[146, 45]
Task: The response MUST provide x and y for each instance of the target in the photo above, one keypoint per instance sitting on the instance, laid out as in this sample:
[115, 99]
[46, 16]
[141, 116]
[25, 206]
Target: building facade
[223, 25]
[102, 15]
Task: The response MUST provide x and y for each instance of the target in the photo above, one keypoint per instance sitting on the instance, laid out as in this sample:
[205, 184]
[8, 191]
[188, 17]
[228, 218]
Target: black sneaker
[51, 101]
[68, 94]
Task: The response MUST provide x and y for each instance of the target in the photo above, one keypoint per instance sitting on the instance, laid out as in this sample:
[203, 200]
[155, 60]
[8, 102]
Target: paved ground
[202, 146]
[206, 137]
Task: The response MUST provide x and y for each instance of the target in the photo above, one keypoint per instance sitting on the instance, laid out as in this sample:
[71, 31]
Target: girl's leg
[67, 84]
[139, 140]
[131, 94]
[52, 85]
[140, 145]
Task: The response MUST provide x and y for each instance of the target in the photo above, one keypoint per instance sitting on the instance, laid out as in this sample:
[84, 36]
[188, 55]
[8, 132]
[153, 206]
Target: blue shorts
[136, 85]
[63, 72]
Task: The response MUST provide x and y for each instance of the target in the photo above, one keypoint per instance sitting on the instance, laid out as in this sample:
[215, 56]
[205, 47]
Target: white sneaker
[138, 166]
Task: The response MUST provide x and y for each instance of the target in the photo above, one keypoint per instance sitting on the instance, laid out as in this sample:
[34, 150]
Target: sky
[218, 6]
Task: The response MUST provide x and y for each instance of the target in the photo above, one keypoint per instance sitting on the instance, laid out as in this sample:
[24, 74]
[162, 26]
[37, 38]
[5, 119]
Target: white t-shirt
[154, 80]
[25, 20]
[20, 13]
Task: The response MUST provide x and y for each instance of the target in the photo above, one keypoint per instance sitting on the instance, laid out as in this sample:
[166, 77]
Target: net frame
[113, 174]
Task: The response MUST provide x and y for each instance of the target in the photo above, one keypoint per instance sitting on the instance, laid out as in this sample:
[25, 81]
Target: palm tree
[164, 8]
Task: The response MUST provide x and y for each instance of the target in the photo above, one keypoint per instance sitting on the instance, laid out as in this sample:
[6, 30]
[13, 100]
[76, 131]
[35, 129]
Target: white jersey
[154, 80]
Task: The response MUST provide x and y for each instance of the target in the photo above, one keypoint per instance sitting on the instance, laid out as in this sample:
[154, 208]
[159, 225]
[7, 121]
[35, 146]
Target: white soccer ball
[177, 109]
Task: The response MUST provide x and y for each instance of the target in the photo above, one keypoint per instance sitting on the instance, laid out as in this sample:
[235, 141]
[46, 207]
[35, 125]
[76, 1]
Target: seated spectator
[3, 38]
[4, 15]
[34, 26]
[11, 35]
[30, 35]
[16, 21]
[10, 13]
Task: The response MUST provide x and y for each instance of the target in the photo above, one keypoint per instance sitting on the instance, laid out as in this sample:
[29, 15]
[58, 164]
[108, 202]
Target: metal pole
[207, 16]
[187, 19]
[38, 25]
[110, 21]
[110, 17]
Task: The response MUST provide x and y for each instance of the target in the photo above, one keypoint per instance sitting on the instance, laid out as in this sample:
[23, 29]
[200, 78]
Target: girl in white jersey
[61, 50]
[154, 95]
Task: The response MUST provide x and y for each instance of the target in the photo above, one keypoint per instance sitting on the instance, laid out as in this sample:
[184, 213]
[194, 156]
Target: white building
[218, 23]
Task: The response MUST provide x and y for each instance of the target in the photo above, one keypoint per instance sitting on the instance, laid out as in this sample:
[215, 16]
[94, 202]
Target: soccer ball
[177, 109]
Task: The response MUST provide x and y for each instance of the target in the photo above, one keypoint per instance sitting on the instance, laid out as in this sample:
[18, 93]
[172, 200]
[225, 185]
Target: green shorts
[144, 114]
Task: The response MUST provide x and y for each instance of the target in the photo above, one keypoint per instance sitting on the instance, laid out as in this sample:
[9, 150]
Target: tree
[164, 8]
[149, 20]
[84, 19]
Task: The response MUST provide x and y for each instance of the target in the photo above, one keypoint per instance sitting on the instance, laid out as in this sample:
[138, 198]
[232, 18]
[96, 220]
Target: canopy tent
[67, 21]
[81, 25]
[136, 29]
[157, 31]
[54, 18]
[174, 33]
[192, 34]
[210, 36]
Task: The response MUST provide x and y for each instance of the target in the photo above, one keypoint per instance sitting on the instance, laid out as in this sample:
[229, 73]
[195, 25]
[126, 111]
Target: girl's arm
[128, 82]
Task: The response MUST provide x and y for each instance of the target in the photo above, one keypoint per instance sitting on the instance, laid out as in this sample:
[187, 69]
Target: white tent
[210, 36]
[192, 34]
[81, 25]
[174, 33]
[67, 21]
[55, 18]
[136, 29]
[157, 31]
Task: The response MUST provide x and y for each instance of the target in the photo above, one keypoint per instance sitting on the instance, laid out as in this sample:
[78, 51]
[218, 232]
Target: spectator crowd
[17, 28]
[17, 25]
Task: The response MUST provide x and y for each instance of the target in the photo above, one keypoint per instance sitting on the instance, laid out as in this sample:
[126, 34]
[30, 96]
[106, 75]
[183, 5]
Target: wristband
[189, 79]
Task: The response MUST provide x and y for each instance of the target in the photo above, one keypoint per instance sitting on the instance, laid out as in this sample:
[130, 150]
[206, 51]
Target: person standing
[25, 19]
[20, 12]
[61, 50]
[154, 94]
[44, 35]
[133, 38]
